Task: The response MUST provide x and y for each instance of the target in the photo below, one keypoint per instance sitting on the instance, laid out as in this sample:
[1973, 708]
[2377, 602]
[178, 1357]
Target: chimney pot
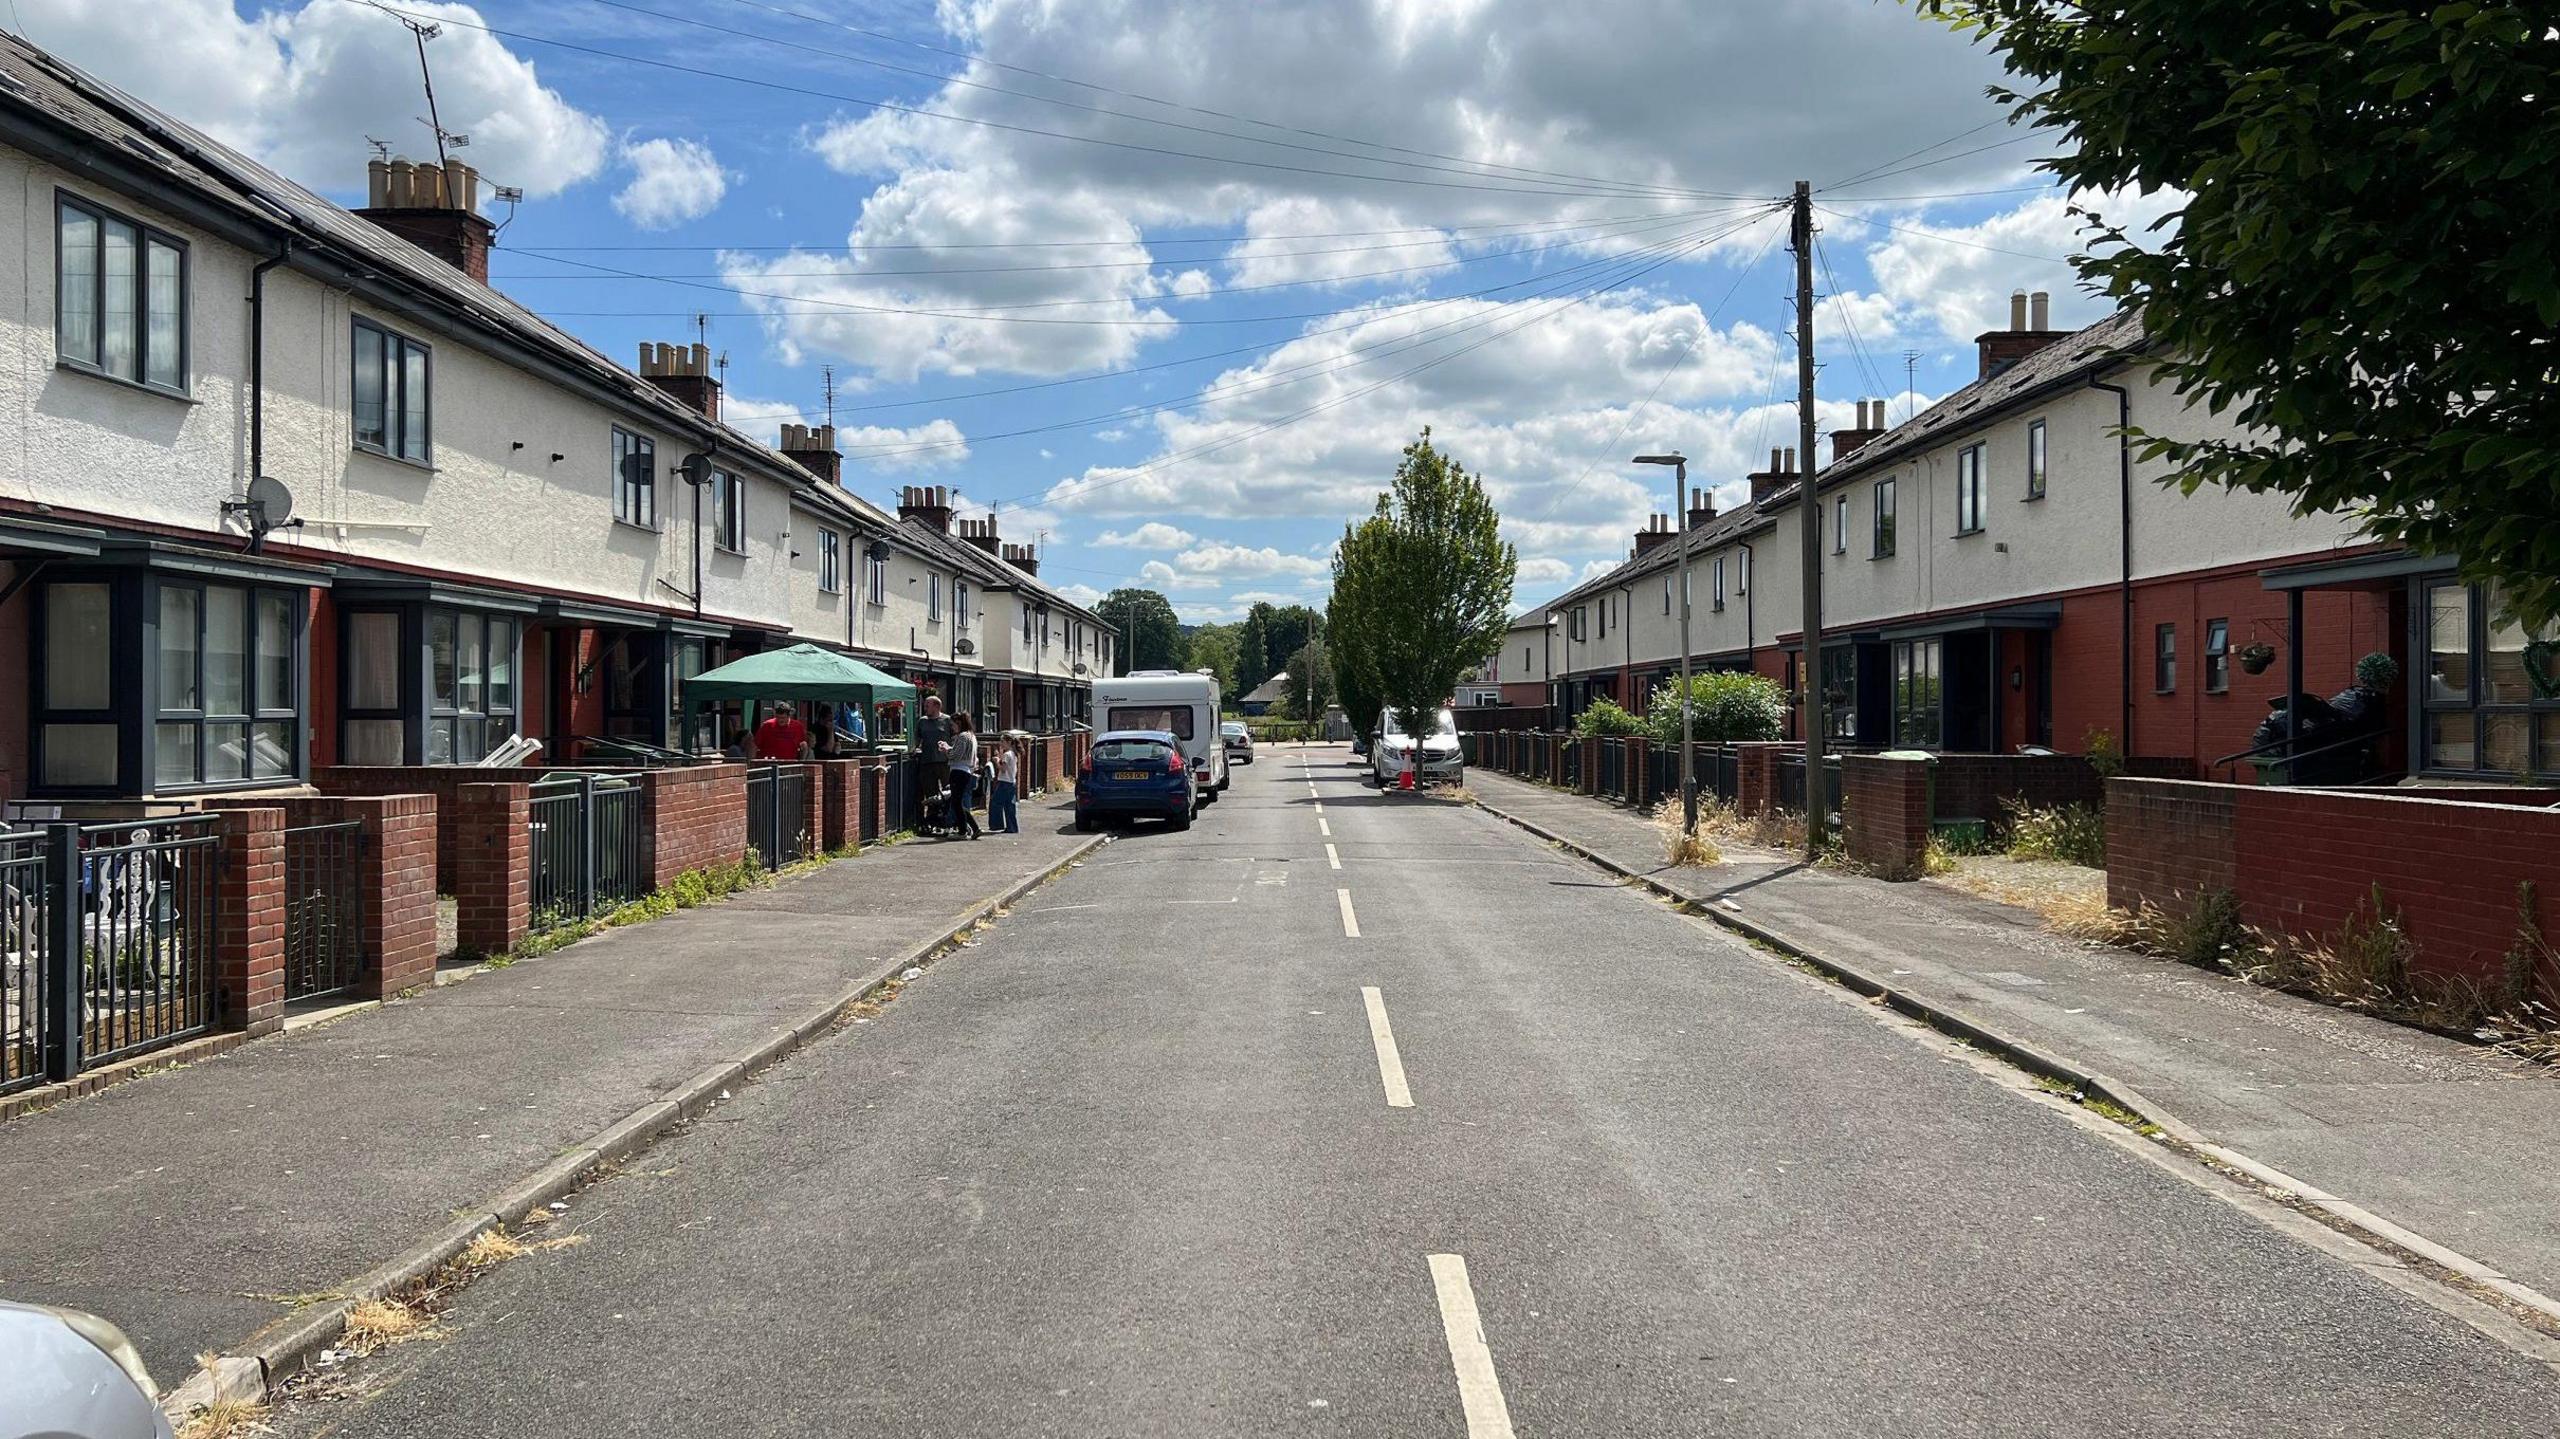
[1791, 460]
[2040, 310]
[2017, 309]
[457, 184]
[377, 182]
[400, 183]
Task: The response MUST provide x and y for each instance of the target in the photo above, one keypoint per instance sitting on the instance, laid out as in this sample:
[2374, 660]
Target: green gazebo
[801, 673]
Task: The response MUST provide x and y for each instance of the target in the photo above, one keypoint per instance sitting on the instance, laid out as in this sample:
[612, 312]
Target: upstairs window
[1883, 543]
[2217, 656]
[1969, 490]
[729, 512]
[120, 297]
[960, 602]
[635, 479]
[1026, 624]
[879, 564]
[830, 562]
[933, 597]
[1719, 599]
[2035, 460]
[1840, 525]
[390, 393]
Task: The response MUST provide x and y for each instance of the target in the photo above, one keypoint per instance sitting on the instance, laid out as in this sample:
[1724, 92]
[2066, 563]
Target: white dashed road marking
[1390, 1064]
[1479, 1389]
[1350, 921]
[1331, 858]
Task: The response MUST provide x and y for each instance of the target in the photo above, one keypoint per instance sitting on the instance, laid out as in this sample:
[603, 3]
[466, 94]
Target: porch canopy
[800, 672]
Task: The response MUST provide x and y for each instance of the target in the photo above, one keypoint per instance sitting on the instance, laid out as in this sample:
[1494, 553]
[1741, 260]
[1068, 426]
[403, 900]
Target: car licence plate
[1129, 774]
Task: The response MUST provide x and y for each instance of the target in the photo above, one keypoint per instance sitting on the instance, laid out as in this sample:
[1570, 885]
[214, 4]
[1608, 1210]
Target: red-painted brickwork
[490, 836]
[396, 872]
[1755, 785]
[812, 819]
[1974, 786]
[442, 781]
[2302, 861]
[840, 816]
[1885, 805]
[249, 923]
[1640, 772]
[693, 818]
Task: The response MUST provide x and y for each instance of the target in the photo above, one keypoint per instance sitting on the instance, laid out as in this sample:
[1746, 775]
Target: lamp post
[1555, 692]
[1680, 505]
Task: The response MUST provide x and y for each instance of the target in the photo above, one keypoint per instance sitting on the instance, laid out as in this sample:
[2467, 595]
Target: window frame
[1840, 523]
[960, 603]
[254, 712]
[1718, 605]
[145, 236]
[121, 677]
[630, 495]
[2164, 658]
[2217, 656]
[458, 714]
[728, 512]
[1918, 692]
[2479, 607]
[2039, 453]
[933, 598]
[878, 565]
[1884, 500]
[394, 348]
[1969, 490]
[830, 562]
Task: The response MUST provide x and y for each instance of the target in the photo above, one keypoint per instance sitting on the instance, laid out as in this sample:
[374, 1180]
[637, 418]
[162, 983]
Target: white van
[1183, 705]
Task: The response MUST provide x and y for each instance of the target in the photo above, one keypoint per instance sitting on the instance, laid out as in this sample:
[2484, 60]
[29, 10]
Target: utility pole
[1808, 524]
[1681, 503]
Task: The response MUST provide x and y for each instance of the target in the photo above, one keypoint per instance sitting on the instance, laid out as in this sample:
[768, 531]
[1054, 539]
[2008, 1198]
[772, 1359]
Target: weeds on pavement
[226, 1419]
[2071, 833]
[377, 1324]
[1695, 847]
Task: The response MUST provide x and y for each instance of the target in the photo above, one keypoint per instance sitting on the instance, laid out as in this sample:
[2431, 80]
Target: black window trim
[2217, 656]
[1884, 524]
[458, 713]
[729, 512]
[254, 714]
[2164, 658]
[830, 562]
[146, 233]
[1980, 489]
[2039, 458]
[394, 378]
[623, 483]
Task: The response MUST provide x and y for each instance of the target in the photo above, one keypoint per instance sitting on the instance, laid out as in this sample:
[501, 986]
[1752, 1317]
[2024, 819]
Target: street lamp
[1680, 506]
[1555, 694]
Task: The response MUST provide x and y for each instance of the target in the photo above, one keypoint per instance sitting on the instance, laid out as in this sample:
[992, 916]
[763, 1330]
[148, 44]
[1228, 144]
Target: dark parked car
[1239, 741]
[1136, 774]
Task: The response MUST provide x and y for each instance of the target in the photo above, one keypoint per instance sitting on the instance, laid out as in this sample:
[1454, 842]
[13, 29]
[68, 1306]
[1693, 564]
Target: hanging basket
[2255, 657]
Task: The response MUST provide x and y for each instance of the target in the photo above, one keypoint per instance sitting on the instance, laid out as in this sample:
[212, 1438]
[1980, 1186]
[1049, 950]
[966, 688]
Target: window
[376, 728]
[2217, 657]
[1840, 525]
[1604, 617]
[120, 297]
[1174, 720]
[390, 393]
[729, 512]
[1742, 570]
[1840, 691]
[1026, 623]
[960, 602]
[2164, 659]
[2490, 697]
[635, 479]
[2035, 460]
[226, 707]
[1969, 490]
[1044, 629]
[879, 565]
[1666, 594]
[1883, 520]
[933, 597]
[830, 562]
[1573, 625]
[1916, 674]
[471, 689]
[76, 731]
[1719, 597]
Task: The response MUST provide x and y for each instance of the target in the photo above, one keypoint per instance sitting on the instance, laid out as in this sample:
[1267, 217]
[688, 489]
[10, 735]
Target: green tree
[1213, 648]
[1422, 588]
[1254, 662]
[1723, 709]
[1150, 635]
[1286, 630]
[2366, 273]
[1310, 682]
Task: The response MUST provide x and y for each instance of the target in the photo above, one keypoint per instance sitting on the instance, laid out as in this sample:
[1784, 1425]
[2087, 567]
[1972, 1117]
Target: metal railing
[777, 801]
[143, 925]
[25, 921]
[584, 853]
[1790, 785]
[323, 909]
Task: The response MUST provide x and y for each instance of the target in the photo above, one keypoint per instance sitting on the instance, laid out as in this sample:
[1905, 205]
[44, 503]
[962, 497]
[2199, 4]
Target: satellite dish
[270, 503]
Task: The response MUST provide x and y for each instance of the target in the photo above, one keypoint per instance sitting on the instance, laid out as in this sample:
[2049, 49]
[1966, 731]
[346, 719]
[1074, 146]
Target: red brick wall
[692, 818]
[2302, 861]
[840, 814]
[444, 782]
[491, 840]
[1972, 786]
[1755, 784]
[1884, 803]
[396, 871]
[249, 922]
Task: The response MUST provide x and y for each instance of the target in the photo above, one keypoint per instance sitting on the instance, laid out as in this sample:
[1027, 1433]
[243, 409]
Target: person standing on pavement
[964, 776]
[933, 751]
[782, 736]
[1003, 814]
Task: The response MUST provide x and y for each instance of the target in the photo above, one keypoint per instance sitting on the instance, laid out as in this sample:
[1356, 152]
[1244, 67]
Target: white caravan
[1183, 705]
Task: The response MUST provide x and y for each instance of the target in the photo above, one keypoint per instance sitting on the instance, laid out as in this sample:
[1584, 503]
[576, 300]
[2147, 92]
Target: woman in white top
[964, 775]
[1003, 815]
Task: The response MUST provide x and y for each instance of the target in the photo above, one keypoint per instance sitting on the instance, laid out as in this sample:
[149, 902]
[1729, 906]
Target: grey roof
[43, 86]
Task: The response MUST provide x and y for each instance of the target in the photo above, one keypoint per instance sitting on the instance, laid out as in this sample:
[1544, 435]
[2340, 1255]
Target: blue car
[1136, 774]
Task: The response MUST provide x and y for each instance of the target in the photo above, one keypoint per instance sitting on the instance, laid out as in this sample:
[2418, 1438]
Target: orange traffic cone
[1405, 780]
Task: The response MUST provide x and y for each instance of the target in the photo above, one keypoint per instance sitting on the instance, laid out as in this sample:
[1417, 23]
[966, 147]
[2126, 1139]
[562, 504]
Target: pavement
[1362, 1113]
[2445, 1139]
[197, 1205]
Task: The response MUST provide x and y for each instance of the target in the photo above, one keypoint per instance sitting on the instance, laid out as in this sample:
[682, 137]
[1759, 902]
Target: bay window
[471, 685]
[75, 717]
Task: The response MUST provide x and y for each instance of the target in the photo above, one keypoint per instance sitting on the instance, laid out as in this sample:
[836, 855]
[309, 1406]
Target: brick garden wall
[1884, 805]
[693, 818]
[2303, 861]
[396, 873]
[442, 781]
[1973, 786]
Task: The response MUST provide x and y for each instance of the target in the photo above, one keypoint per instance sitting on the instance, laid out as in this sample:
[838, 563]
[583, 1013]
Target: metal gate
[323, 909]
[25, 921]
[777, 799]
[584, 850]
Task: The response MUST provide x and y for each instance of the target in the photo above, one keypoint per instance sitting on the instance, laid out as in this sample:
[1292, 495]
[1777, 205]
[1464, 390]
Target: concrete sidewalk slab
[2445, 1139]
[196, 1206]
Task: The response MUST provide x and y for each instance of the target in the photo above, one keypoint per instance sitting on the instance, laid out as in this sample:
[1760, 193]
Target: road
[1364, 1114]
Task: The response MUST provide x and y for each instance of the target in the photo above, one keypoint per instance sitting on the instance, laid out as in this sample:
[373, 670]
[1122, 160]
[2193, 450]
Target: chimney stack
[1657, 529]
[683, 371]
[1702, 508]
[981, 533]
[1023, 558]
[1845, 443]
[2030, 319]
[930, 504]
[434, 207]
[814, 450]
[1780, 474]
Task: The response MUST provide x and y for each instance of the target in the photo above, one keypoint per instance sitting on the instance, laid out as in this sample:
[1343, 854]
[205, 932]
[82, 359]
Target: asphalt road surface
[1360, 1114]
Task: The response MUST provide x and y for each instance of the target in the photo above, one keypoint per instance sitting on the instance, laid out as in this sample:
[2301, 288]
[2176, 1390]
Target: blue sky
[1167, 283]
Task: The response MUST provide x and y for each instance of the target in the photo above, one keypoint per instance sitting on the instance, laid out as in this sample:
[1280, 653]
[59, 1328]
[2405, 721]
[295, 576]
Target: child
[1003, 817]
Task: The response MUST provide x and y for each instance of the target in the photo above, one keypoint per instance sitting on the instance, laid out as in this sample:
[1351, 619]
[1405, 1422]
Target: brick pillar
[1885, 805]
[493, 880]
[248, 942]
[812, 821]
[842, 825]
[1755, 786]
[396, 874]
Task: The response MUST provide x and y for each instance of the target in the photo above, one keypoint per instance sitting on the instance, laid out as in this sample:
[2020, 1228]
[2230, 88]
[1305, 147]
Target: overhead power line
[1432, 234]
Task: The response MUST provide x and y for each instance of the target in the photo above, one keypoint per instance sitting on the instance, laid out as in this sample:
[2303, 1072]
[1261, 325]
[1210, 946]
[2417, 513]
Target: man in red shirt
[782, 736]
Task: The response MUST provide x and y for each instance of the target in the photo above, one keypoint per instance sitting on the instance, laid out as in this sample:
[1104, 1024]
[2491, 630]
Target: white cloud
[1153, 535]
[672, 181]
[1224, 561]
[1543, 570]
[1157, 575]
[1266, 597]
[1958, 278]
[933, 445]
[1085, 595]
[302, 88]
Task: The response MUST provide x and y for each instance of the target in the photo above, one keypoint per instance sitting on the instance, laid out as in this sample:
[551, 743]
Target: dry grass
[378, 1324]
[1693, 848]
[490, 1248]
[226, 1419]
[2063, 897]
[1778, 830]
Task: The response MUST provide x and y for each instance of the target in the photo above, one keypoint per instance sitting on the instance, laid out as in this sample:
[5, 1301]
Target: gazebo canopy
[801, 672]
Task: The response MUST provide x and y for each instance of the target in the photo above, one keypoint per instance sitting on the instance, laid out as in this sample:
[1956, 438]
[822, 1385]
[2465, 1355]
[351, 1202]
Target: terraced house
[2005, 568]
[285, 485]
